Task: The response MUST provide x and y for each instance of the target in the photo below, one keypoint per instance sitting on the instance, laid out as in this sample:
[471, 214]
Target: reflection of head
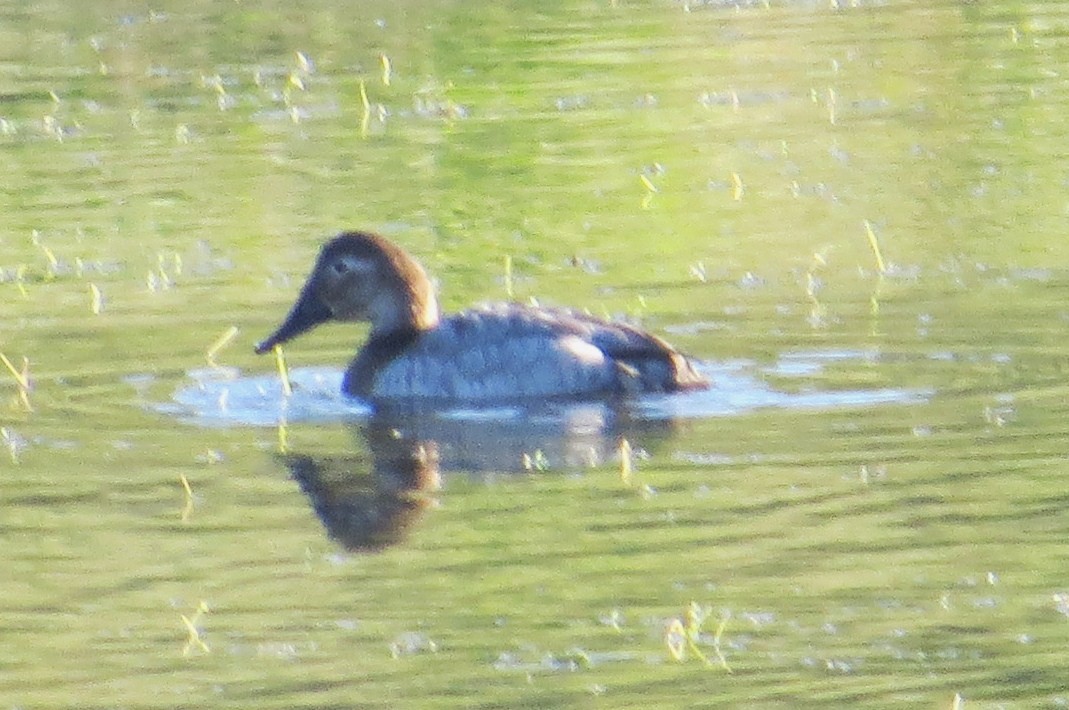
[369, 513]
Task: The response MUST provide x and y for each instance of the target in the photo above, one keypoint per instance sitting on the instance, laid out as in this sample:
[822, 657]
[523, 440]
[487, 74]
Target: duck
[487, 354]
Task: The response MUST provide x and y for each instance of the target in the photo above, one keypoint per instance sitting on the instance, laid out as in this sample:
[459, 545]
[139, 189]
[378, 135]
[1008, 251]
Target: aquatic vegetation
[187, 510]
[195, 642]
[365, 105]
[283, 370]
[22, 379]
[96, 299]
[221, 342]
[874, 243]
[386, 69]
[682, 634]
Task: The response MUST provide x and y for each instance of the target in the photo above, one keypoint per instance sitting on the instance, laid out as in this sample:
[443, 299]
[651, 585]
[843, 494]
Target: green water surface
[711, 170]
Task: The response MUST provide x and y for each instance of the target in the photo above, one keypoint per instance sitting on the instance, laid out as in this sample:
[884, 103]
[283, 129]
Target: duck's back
[507, 351]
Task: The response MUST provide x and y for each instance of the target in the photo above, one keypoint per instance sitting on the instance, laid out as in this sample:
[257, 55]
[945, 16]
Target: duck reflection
[365, 507]
[368, 503]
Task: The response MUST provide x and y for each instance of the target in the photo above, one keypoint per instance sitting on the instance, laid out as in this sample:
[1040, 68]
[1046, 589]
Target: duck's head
[361, 277]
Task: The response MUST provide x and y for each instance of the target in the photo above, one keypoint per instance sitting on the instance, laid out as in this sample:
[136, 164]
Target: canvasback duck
[491, 353]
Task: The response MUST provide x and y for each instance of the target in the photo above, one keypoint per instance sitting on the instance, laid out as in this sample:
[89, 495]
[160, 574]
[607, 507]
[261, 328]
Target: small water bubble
[14, 441]
[614, 619]
[759, 618]
[839, 666]
[52, 127]
[877, 472]
[412, 642]
[1000, 415]
[750, 280]
[210, 456]
[571, 103]
[646, 101]
[284, 651]
[336, 559]
[506, 662]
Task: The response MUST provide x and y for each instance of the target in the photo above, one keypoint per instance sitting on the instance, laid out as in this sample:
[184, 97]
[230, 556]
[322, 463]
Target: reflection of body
[561, 438]
[369, 505]
[495, 353]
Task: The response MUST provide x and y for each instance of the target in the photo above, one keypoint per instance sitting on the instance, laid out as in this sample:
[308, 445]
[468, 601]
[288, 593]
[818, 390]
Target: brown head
[361, 276]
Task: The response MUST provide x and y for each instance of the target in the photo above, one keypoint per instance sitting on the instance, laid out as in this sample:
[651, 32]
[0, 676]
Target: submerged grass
[191, 623]
[874, 244]
[22, 379]
[96, 299]
[187, 509]
[683, 633]
[283, 371]
[221, 342]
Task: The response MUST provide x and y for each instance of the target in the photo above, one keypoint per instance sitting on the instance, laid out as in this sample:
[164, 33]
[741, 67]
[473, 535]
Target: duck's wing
[644, 362]
[648, 363]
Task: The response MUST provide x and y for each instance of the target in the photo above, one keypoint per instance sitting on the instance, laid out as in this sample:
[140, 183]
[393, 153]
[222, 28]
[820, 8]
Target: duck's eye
[339, 267]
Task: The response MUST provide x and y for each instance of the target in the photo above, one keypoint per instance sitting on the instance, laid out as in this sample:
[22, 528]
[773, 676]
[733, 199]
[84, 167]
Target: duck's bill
[308, 312]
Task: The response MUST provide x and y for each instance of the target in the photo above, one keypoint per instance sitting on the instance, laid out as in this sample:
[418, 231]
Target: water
[866, 509]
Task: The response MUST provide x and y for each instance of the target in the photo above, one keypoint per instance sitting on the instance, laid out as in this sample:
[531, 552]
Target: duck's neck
[408, 304]
[378, 352]
[398, 317]
[391, 316]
